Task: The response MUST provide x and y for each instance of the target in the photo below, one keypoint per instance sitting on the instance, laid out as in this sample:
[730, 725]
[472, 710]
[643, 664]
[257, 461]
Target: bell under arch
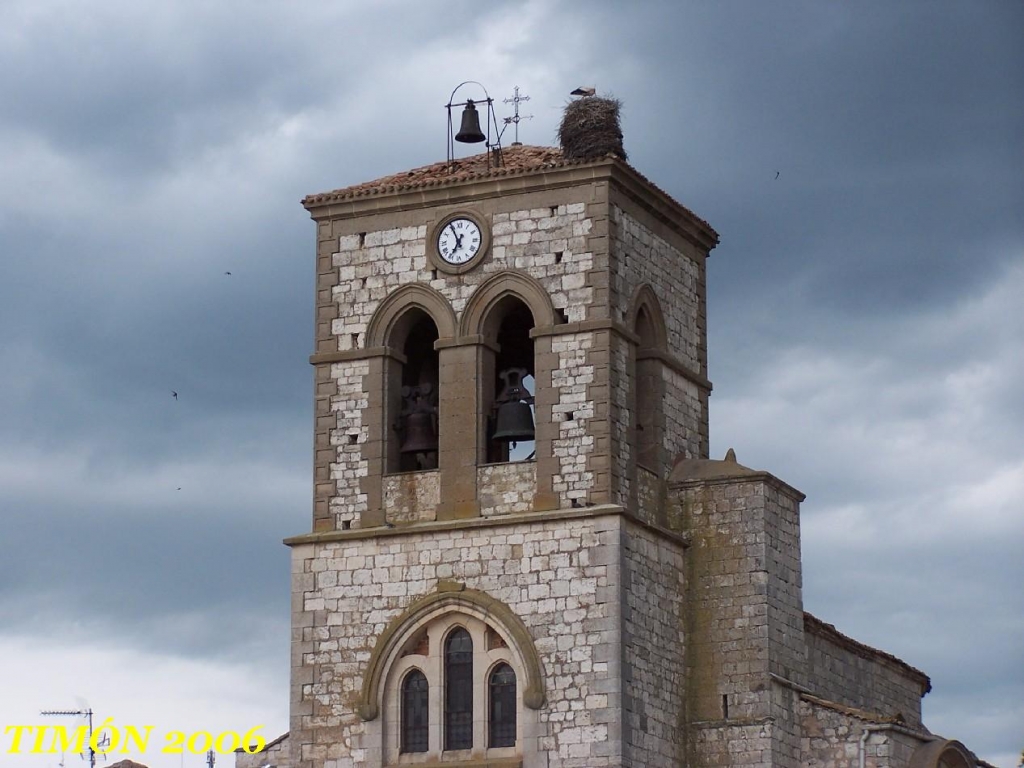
[509, 381]
[412, 389]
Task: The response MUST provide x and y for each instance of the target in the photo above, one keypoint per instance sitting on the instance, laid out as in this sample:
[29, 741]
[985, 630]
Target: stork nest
[590, 128]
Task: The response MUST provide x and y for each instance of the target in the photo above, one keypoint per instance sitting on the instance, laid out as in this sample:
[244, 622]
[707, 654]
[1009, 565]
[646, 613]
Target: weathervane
[514, 120]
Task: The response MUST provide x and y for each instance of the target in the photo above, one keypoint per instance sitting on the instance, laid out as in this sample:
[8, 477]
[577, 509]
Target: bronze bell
[418, 420]
[419, 433]
[470, 132]
[514, 418]
[514, 422]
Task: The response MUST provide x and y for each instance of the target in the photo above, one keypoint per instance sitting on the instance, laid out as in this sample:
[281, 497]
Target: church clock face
[460, 241]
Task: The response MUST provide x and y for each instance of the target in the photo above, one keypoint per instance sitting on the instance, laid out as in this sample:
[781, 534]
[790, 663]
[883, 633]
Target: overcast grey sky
[862, 162]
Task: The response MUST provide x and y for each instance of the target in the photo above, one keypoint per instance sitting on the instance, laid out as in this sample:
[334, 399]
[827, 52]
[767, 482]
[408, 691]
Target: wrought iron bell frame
[494, 158]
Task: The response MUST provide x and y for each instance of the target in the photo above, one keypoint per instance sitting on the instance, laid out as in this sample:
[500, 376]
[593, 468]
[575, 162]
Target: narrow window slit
[725, 706]
[558, 256]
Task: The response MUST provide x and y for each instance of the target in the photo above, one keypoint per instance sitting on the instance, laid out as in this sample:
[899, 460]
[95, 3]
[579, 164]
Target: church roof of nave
[517, 160]
[860, 714]
[828, 631]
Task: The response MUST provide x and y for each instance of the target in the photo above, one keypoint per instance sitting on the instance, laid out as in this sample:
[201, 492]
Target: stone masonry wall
[642, 257]
[646, 259]
[411, 497]
[648, 496]
[572, 413]
[728, 599]
[548, 244]
[683, 418]
[839, 674]
[623, 420]
[653, 586]
[561, 577]
[506, 489]
[831, 739]
[730, 745]
[347, 437]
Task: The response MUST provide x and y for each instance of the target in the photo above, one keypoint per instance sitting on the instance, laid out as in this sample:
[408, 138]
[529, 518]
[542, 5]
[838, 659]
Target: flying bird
[174, 394]
[584, 90]
[227, 273]
[777, 174]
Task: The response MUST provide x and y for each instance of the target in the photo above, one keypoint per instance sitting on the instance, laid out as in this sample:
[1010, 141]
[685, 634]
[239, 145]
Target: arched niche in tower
[408, 323]
[502, 312]
[508, 376]
[413, 388]
[648, 388]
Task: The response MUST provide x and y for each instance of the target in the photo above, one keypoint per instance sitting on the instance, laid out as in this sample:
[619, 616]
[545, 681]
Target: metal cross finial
[514, 120]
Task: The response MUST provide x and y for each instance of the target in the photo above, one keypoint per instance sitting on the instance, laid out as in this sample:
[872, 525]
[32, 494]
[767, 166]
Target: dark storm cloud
[881, 125]
[863, 305]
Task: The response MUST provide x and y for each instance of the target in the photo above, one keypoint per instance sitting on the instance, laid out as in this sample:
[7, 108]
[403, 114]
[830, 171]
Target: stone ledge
[602, 510]
[498, 762]
[326, 358]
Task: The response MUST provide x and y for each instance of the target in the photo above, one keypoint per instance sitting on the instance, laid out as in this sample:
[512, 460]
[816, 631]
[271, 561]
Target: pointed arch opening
[646, 374]
[415, 715]
[413, 388]
[482, 684]
[509, 373]
[458, 690]
[502, 707]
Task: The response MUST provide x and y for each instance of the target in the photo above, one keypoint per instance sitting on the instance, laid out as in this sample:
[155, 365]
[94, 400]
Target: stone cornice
[341, 356]
[471, 523]
[749, 476]
[660, 204]
[634, 185]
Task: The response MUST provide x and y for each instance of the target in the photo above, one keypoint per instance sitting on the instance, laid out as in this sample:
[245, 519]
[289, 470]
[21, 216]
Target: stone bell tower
[521, 555]
[511, 355]
[586, 276]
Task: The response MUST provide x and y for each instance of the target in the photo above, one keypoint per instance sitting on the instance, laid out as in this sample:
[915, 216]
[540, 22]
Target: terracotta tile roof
[860, 714]
[517, 160]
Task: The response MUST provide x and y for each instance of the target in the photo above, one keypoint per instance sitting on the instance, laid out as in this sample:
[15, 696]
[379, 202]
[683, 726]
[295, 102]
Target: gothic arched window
[458, 686]
[502, 716]
[415, 720]
[458, 690]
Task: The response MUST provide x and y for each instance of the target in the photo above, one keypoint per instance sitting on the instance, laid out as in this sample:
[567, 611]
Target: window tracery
[453, 687]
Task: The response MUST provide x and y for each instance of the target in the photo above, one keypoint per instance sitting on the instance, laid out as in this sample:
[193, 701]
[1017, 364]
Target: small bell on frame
[513, 420]
[470, 132]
